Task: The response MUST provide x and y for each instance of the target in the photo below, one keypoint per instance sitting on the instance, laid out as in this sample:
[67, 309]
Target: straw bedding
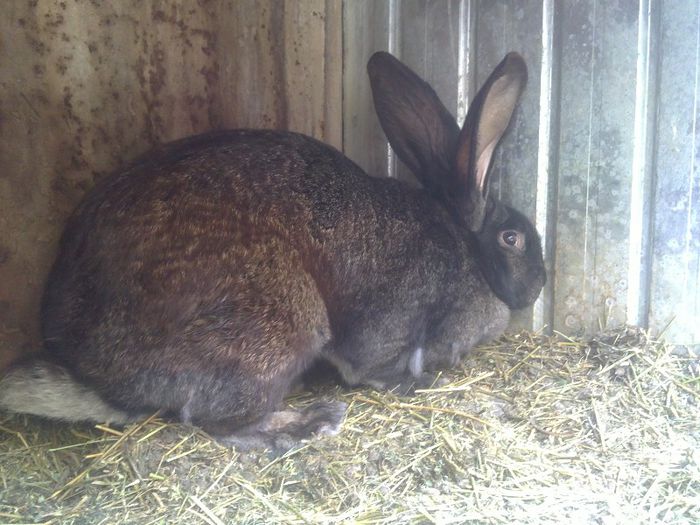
[530, 429]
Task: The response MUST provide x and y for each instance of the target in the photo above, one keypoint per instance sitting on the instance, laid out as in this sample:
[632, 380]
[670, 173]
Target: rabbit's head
[453, 165]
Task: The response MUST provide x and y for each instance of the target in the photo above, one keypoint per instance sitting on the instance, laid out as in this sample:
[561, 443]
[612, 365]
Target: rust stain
[5, 254]
[156, 79]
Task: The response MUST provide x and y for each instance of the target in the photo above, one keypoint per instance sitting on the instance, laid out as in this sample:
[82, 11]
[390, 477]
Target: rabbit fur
[205, 278]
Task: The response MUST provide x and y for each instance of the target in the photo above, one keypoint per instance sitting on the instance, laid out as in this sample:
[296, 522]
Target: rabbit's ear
[419, 128]
[486, 122]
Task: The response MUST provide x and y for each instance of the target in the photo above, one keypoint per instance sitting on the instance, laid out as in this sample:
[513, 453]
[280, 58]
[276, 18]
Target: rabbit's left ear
[486, 122]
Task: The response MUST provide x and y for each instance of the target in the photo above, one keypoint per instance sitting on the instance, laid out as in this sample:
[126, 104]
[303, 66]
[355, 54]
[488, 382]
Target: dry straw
[531, 429]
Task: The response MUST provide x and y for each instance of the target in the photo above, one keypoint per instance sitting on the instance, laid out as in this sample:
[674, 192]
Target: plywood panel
[83, 88]
[280, 65]
[86, 86]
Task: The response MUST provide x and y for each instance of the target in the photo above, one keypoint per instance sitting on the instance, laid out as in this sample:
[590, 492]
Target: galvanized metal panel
[371, 27]
[603, 154]
[675, 269]
[641, 215]
[598, 55]
[547, 163]
[429, 41]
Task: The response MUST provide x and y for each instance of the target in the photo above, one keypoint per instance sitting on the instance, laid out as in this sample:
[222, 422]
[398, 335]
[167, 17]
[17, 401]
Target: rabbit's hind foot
[281, 430]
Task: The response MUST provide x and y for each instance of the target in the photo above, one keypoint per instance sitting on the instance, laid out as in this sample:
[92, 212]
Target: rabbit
[207, 277]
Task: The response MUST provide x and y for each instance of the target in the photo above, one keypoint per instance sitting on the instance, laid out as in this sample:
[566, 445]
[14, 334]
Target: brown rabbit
[204, 279]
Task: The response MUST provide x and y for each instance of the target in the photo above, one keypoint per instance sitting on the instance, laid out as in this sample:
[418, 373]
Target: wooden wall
[87, 85]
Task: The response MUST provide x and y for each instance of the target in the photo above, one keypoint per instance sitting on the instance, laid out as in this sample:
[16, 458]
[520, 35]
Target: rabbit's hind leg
[248, 411]
[243, 405]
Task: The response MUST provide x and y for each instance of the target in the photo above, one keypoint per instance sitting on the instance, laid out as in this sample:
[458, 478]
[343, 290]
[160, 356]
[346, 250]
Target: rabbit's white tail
[45, 389]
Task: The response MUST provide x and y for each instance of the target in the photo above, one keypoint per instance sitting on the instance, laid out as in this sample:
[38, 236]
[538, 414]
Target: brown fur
[188, 269]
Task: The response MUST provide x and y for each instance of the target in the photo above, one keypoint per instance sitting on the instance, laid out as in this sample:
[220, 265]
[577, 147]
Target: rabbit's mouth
[528, 294]
[517, 286]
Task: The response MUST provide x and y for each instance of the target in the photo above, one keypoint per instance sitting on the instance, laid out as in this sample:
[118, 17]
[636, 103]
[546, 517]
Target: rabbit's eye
[512, 238]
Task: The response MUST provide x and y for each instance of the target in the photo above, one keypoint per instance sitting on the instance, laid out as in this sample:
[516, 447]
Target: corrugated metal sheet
[604, 153]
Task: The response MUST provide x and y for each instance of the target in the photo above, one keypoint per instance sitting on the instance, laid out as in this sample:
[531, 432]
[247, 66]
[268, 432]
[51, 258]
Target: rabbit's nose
[538, 275]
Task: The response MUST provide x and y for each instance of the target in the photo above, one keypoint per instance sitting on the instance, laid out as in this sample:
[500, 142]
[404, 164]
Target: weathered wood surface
[86, 86]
